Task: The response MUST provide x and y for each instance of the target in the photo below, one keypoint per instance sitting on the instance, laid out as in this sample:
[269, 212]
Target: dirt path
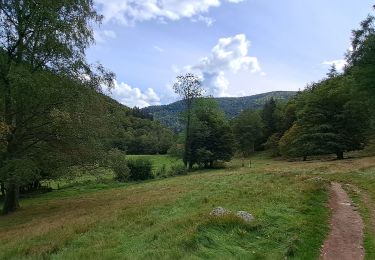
[345, 241]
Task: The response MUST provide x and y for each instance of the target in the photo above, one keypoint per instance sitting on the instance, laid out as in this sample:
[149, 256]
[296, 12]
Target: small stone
[219, 212]
[246, 216]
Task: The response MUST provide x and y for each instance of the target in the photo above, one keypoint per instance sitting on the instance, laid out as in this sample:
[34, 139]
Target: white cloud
[158, 49]
[102, 36]
[207, 20]
[228, 55]
[129, 12]
[340, 64]
[132, 97]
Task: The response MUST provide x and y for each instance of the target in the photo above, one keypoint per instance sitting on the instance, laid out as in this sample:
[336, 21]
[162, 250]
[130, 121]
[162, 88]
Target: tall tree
[41, 42]
[291, 145]
[189, 87]
[334, 118]
[212, 138]
[247, 129]
[332, 72]
[270, 119]
[361, 60]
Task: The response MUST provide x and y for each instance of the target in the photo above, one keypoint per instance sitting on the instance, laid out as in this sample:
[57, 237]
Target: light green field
[103, 176]
[169, 218]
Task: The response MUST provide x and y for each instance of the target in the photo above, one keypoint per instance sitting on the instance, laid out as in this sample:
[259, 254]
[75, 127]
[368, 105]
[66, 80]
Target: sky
[236, 47]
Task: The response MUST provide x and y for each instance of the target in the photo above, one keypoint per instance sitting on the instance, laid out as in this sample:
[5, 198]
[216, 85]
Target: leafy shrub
[140, 169]
[177, 169]
[121, 172]
[119, 165]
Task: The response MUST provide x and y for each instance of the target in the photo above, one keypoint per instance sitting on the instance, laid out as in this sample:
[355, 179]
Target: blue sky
[238, 47]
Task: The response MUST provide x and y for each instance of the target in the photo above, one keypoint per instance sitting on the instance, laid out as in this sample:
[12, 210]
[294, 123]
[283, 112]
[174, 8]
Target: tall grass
[169, 218]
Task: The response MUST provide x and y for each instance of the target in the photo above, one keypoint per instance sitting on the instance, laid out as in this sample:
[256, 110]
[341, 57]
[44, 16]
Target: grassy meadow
[169, 218]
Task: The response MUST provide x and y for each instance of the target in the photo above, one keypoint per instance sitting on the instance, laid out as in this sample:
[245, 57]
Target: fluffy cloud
[340, 64]
[228, 55]
[102, 36]
[132, 97]
[129, 12]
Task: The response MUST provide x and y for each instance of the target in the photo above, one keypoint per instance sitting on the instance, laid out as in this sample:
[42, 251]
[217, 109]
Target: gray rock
[219, 212]
[246, 216]
[316, 179]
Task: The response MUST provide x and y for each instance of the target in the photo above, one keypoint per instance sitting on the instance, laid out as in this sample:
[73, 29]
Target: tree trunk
[11, 202]
[2, 188]
[304, 158]
[187, 154]
[340, 155]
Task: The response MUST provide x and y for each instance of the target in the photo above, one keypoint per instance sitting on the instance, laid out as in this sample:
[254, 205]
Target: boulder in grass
[246, 216]
[219, 212]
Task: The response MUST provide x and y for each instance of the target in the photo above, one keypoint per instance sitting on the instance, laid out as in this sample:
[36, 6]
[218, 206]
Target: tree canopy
[211, 135]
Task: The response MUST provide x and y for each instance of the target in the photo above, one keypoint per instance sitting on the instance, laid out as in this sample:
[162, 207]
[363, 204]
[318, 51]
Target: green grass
[104, 176]
[169, 218]
[158, 160]
[369, 234]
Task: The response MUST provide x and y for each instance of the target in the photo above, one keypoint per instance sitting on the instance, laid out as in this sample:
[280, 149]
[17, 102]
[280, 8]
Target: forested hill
[232, 106]
[133, 131]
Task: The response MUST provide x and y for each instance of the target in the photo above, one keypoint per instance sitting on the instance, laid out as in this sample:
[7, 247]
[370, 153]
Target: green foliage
[334, 119]
[269, 118]
[232, 107]
[161, 171]
[211, 135]
[247, 129]
[361, 61]
[177, 169]
[135, 135]
[43, 94]
[336, 115]
[177, 150]
[51, 133]
[272, 145]
[54, 118]
[140, 169]
[189, 88]
[119, 165]
[290, 144]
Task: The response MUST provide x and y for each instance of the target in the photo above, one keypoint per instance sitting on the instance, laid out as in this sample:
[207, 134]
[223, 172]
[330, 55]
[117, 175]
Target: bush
[121, 172]
[119, 166]
[140, 169]
[177, 169]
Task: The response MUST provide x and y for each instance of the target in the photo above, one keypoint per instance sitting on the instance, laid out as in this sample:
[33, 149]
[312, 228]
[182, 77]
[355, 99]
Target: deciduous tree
[189, 87]
[247, 129]
[42, 44]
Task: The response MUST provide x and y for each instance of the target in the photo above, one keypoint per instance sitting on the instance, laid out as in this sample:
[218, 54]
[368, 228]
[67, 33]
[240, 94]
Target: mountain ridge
[232, 106]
